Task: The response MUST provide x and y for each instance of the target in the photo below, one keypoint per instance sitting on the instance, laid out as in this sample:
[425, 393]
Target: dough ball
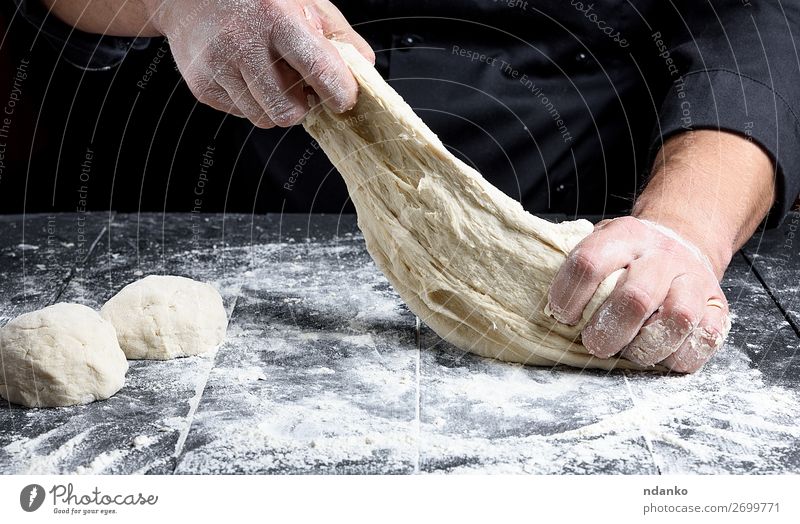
[165, 317]
[61, 355]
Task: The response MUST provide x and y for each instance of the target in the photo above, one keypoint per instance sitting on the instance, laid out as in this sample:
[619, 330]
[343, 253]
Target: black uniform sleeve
[84, 50]
[737, 69]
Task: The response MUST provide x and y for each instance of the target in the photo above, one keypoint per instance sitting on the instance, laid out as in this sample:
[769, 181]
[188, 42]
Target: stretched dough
[466, 258]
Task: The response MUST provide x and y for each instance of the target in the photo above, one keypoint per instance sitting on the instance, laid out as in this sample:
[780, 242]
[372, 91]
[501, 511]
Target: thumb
[326, 18]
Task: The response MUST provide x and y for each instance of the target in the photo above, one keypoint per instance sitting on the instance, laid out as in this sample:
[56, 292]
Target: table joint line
[417, 406]
[784, 313]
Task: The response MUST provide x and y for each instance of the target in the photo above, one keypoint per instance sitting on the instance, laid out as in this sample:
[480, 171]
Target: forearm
[712, 188]
[131, 18]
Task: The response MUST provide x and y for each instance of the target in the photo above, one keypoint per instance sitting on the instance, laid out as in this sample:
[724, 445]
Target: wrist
[712, 188]
[710, 240]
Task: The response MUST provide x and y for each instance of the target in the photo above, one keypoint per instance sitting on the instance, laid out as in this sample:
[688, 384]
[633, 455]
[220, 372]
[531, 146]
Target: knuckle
[669, 246]
[225, 40]
[213, 95]
[197, 81]
[281, 110]
[637, 300]
[281, 28]
[685, 317]
[625, 220]
[226, 47]
[205, 73]
[207, 93]
[321, 68]
[283, 116]
[628, 223]
[583, 264]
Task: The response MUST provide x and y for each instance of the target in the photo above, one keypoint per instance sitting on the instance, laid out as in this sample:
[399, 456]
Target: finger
[336, 27]
[592, 260]
[317, 61]
[239, 93]
[278, 89]
[666, 330]
[217, 97]
[603, 223]
[704, 341]
[635, 298]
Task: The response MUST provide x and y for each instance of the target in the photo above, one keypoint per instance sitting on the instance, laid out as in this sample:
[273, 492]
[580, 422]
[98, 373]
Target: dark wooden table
[326, 371]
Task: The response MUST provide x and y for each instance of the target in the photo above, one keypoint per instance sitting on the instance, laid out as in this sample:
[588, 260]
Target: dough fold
[465, 257]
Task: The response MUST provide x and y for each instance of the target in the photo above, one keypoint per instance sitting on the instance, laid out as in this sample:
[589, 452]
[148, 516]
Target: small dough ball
[165, 317]
[61, 355]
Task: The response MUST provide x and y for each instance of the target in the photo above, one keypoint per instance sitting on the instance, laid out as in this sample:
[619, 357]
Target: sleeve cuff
[87, 51]
[728, 101]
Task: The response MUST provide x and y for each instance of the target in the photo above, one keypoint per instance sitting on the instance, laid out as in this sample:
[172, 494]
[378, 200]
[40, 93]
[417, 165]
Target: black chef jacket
[562, 104]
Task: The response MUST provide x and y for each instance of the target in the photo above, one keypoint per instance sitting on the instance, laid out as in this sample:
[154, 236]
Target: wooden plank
[38, 254]
[319, 373]
[739, 414]
[322, 374]
[775, 255]
[481, 415]
[761, 329]
[142, 427]
[736, 416]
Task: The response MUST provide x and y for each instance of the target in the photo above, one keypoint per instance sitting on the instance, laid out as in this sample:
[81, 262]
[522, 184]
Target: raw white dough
[165, 317]
[62, 355]
[466, 258]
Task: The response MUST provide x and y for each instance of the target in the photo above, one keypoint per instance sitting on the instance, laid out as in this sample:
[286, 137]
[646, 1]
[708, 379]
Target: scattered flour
[323, 373]
[144, 441]
[100, 463]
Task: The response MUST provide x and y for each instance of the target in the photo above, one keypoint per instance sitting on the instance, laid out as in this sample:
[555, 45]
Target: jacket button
[581, 57]
[410, 40]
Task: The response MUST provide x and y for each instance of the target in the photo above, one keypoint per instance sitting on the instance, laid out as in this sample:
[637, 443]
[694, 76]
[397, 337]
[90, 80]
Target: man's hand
[708, 193]
[668, 306]
[252, 58]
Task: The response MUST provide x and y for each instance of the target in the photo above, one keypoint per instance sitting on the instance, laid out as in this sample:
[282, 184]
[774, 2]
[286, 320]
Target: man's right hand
[255, 58]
